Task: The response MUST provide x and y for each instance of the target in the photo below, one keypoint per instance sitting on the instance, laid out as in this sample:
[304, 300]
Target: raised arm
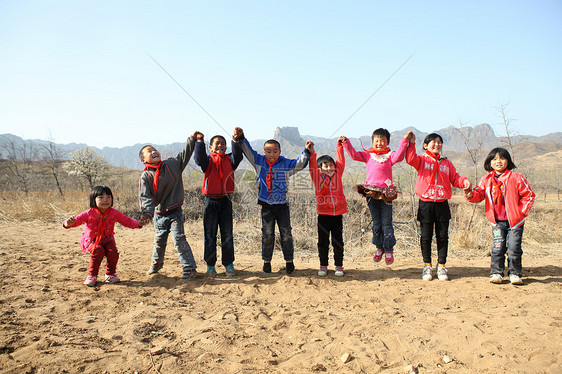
[357, 156]
[200, 156]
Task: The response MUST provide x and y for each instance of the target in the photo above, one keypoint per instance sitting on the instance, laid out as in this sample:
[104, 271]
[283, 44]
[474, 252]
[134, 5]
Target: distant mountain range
[292, 143]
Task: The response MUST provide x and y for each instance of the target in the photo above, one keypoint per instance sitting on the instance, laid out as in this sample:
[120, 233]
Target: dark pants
[383, 231]
[330, 225]
[217, 213]
[106, 248]
[507, 240]
[436, 214]
[269, 215]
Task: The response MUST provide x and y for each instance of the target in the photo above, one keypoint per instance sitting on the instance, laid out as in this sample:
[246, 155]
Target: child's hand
[238, 133]
[410, 136]
[143, 221]
[467, 185]
[309, 146]
[198, 135]
[342, 139]
[70, 221]
[468, 193]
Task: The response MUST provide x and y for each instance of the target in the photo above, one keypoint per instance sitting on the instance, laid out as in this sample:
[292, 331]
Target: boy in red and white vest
[218, 186]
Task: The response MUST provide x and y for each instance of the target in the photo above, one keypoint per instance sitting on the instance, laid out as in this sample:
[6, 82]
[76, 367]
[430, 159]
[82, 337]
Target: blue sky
[81, 71]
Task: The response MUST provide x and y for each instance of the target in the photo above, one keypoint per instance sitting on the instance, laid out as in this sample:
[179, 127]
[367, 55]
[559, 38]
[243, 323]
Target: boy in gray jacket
[161, 198]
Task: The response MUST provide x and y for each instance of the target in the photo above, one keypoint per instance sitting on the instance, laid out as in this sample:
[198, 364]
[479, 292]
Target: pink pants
[106, 248]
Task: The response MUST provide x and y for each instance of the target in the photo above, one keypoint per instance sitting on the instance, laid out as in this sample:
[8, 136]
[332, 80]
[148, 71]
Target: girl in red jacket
[436, 174]
[326, 175]
[509, 199]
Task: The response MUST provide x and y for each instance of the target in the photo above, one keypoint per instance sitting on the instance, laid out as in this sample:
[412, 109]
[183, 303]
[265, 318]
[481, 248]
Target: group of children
[508, 196]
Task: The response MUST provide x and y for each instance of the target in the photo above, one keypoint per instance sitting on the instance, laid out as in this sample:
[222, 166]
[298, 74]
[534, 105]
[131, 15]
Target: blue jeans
[163, 225]
[269, 215]
[383, 231]
[217, 213]
[506, 240]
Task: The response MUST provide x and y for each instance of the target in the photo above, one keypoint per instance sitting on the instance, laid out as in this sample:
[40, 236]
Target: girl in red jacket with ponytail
[509, 198]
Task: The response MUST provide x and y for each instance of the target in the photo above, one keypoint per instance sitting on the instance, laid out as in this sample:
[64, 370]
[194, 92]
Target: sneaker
[323, 271]
[112, 278]
[211, 271]
[230, 270]
[290, 268]
[267, 267]
[378, 255]
[155, 267]
[442, 273]
[389, 258]
[339, 271]
[496, 278]
[426, 273]
[91, 280]
[189, 274]
[515, 279]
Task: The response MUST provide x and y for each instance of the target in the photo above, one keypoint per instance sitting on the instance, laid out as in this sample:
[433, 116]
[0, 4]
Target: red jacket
[445, 177]
[212, 183]
[330, 199]
[519, 197]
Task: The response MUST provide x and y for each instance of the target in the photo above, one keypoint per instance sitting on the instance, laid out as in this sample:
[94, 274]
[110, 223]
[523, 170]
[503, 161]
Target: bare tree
[509, 132]
[20, 163]
[54, 158]
[87, 163]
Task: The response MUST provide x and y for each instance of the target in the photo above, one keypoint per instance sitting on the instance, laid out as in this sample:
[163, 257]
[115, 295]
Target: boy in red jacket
[330, 205]
[218, 186]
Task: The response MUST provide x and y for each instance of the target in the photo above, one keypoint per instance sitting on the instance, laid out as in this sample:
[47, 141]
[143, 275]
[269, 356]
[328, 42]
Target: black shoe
[290, 267]
[267, 267]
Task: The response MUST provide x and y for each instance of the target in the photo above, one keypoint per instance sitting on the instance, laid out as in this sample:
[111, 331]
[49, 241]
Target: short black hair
[381, 132]
[324, 160]
[431, 137]
[142, 149]
[272, 141]
[503, 154]
[98, 191]
[217, 136]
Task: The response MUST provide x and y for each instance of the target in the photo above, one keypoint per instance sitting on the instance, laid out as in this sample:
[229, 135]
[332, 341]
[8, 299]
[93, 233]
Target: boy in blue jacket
[273, 172]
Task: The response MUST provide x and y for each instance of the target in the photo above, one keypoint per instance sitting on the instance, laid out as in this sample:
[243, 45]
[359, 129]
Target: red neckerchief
[269, 178]
[325, 182]
[497, 191]
[156, 174]
[100, 230]
[217, 160]
[374, 150]
[435, 157]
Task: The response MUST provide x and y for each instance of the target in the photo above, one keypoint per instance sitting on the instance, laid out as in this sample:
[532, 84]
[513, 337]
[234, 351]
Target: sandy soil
[384, 317]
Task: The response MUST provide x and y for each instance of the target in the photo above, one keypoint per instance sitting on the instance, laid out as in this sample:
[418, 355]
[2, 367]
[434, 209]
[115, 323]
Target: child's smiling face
[328, 169]
[103, 202]
[271, 152]
[435, 146]
[499, 164]
[380, 142]
[218, 145]
[151, 156]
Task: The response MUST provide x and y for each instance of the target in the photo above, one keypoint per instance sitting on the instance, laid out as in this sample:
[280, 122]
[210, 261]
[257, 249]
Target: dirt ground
[377, 318]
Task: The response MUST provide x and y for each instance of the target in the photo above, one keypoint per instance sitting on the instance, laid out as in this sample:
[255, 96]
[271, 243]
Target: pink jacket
[91, 219]
[379, 167]
[446, 176]
[519, 197]
[330, 199]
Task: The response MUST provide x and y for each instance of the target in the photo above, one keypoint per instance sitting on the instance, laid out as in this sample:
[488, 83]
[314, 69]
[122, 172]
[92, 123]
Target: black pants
[438, 215]
[330, 225]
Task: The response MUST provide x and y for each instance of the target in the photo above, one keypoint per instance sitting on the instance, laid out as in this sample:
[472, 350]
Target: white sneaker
[426, 273]
[323, 271]
[515, 279]
[339, 271]
[442, 273]
[496, 278]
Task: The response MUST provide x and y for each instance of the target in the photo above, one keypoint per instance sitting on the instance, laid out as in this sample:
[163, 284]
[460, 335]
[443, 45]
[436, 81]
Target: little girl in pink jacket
[98, 235]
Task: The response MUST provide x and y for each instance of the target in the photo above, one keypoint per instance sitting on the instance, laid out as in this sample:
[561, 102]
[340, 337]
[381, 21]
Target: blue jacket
[282, 170]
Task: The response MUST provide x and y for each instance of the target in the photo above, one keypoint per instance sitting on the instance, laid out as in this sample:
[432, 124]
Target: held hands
[70, 221]
[144, 221]
[238, 133]
[468, 194]
[342, 139]
[410, 136]
[467, 186]
[197, 135]
[309, 146]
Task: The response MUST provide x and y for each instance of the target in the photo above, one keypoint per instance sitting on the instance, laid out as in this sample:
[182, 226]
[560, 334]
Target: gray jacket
[169, 194]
